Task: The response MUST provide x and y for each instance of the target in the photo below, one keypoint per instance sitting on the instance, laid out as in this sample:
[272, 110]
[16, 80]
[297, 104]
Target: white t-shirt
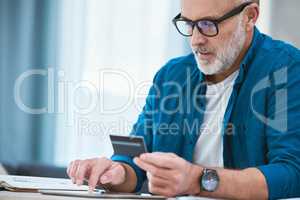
[208, 151]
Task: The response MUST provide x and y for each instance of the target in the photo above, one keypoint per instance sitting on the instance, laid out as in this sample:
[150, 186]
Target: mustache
[202, 49]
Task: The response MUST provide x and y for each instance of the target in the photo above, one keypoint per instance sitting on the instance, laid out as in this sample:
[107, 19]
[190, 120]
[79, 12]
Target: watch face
[210, 180]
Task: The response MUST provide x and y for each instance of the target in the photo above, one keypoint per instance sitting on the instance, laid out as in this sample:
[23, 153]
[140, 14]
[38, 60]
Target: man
[225, 116]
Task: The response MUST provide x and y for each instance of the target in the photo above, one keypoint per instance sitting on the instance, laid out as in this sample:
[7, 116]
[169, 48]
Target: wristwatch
[209, 180]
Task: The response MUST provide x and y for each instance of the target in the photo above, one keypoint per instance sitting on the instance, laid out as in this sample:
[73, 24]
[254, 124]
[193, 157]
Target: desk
[5, 195]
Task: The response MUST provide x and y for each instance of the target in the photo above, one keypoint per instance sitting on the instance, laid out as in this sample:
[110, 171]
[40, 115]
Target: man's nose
[198, 38]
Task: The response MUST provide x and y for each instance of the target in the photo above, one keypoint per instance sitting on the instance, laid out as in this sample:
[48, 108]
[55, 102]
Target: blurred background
[75, 71]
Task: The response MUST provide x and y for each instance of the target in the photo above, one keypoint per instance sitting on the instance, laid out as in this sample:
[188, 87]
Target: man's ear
[252, 13]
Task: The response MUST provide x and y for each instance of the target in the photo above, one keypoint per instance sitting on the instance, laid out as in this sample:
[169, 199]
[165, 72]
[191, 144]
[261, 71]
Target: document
[33, 184]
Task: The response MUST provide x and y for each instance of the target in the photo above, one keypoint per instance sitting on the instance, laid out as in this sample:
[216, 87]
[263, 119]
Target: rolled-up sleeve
[282, 174]
[140, 174]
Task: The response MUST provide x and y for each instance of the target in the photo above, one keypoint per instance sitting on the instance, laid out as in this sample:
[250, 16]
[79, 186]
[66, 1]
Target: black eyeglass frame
[216, 22]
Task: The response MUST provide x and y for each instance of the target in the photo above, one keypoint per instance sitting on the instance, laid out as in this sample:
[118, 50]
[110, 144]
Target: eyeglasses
[208, 27]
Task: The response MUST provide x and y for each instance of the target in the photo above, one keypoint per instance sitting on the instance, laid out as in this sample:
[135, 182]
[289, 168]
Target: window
[110, 51]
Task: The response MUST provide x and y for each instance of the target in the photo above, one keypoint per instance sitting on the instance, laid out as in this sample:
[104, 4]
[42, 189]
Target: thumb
[115, 175]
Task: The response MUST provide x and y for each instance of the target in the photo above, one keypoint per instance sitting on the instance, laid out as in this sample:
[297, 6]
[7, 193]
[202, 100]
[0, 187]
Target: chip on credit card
[131, 146]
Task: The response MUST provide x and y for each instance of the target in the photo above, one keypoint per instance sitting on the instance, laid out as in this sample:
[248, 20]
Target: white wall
[285, 20]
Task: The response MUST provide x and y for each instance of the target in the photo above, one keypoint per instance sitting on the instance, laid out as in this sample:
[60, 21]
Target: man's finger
[102, 165]
[157, 181]
[69, 168]
[83, 167]
[154, 170]
[166, 160]
[73, 170]
[95, 175]
[158, 190]
[73, 167]
[114, 175]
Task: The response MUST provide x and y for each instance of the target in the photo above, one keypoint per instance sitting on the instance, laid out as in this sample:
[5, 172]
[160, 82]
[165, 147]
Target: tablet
[100, 194]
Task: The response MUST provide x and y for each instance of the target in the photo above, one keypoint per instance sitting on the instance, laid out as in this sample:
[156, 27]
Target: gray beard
[225, 58]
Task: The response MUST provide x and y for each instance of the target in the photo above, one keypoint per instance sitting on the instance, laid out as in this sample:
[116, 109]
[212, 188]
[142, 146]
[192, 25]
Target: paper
[29, 183]
[2, 170]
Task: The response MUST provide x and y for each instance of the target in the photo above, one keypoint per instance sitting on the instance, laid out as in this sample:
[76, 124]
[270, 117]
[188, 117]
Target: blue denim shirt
[261, 126]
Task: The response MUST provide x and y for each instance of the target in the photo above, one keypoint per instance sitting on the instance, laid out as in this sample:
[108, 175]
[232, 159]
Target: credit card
[131, 146]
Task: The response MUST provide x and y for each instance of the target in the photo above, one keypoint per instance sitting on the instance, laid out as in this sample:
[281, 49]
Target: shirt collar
[252, 49]
[249, 56]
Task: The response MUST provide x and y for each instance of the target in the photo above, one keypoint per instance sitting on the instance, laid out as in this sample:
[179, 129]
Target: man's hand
[169, 175]
[97, 171]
